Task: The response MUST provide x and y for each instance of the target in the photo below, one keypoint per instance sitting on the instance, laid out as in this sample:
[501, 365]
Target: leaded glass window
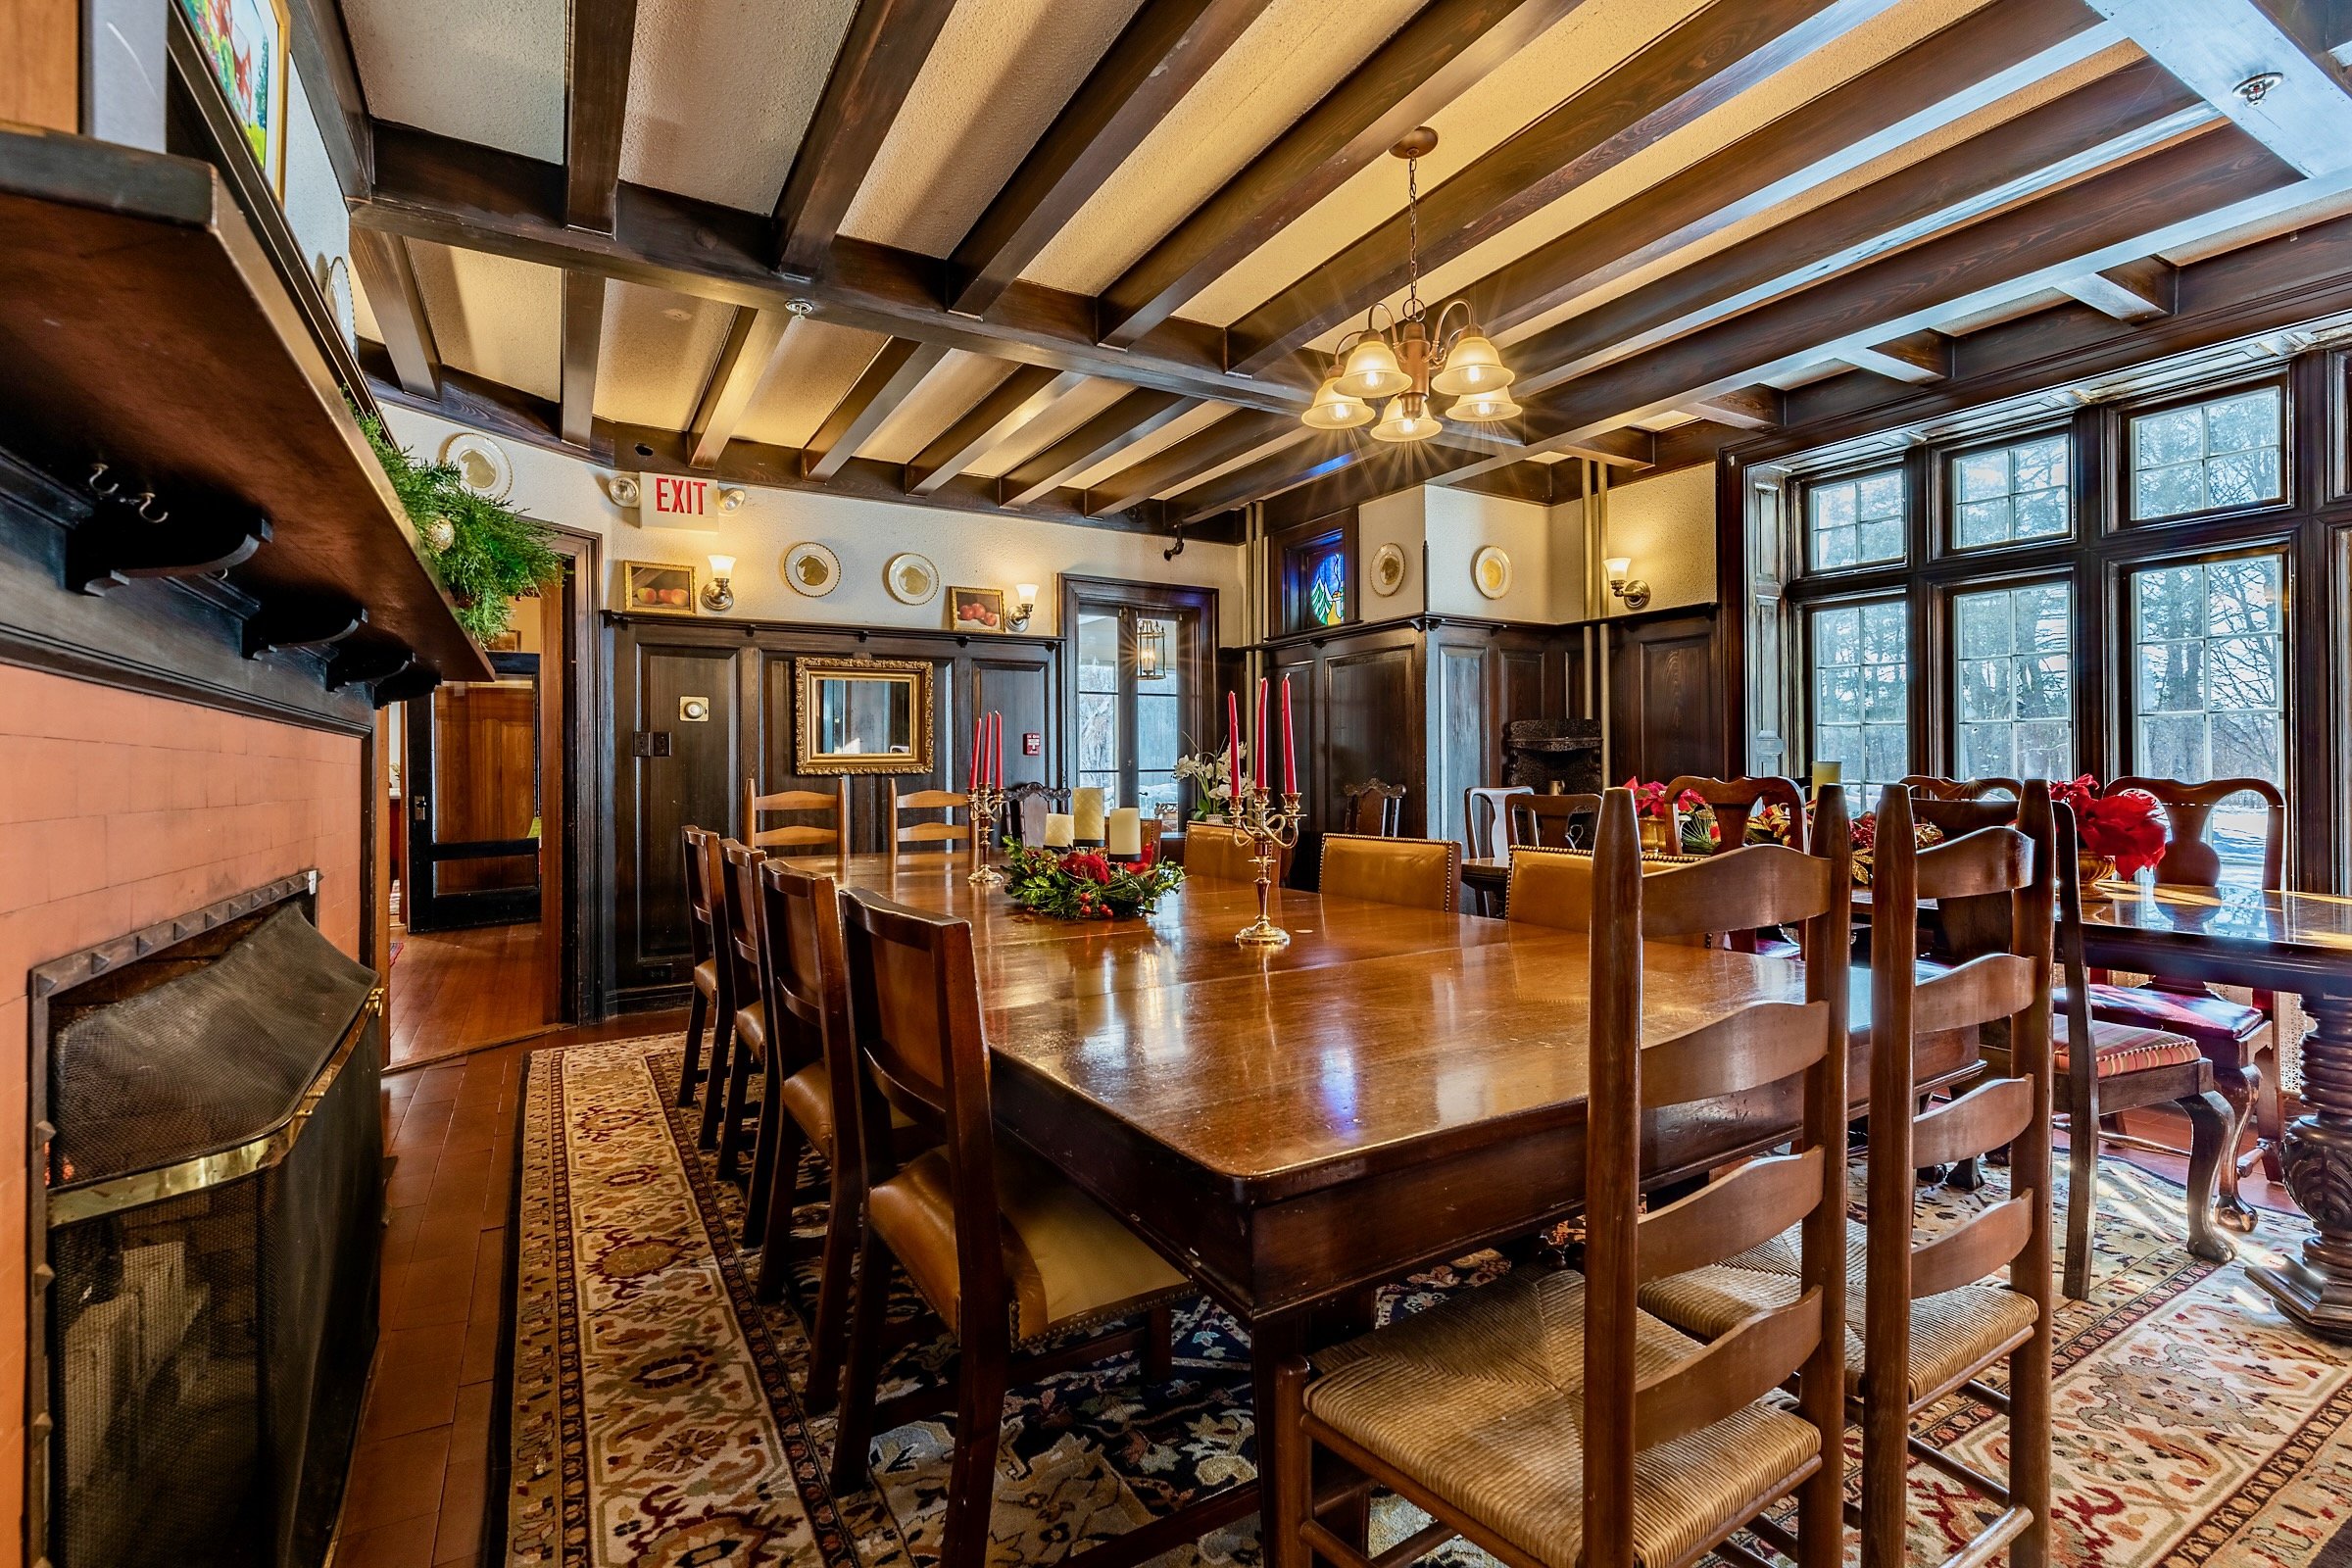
[2013, 682]
[2208, 456]
[1854, 522]
[1861, 666]
[2006, 494]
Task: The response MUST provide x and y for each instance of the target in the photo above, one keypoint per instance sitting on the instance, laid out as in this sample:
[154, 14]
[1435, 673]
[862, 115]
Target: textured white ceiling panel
[1287, 438]
[493, 315]
[2041, 299]
[658, 352]
[486, 71]
[1000, 72]
[1198, 417]
[1073, 410]
[722, 91]
[954, 385]
[1587, 42]
[1296, 52]
[821, 361]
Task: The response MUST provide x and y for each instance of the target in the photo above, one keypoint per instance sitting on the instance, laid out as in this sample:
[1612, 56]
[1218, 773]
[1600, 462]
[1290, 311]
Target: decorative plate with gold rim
[1388, 569]
[910, 578]
[812, 569]
[1491, 571]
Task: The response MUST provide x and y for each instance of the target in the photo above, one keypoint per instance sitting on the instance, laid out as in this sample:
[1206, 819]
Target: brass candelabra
[987, 801]
[1272, 829]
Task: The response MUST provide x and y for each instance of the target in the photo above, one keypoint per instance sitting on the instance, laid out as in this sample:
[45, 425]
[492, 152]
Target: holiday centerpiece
[2121, 834]
[1926, 835]
[1086, 884]
[1686, 823]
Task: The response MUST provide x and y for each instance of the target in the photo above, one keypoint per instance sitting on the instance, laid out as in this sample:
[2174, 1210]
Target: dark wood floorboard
[452, 991]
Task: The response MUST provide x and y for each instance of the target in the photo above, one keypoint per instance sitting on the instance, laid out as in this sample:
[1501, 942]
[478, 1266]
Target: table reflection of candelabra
[987, 801]
[1272, 829]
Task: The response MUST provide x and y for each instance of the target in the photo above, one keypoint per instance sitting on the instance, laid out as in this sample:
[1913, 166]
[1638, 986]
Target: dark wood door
[473, 801]
[1665, 705]
[675, 757]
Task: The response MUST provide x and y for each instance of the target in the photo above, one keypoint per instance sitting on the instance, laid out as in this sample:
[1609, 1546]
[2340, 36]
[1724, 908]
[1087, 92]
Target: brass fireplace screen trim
[73, 1205]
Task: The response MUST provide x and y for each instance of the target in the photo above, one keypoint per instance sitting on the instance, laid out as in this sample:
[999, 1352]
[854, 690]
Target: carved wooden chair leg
[690, 1075]
[855, 1432]
[738, 1106]
[2240, 1087]
[1965, 1175]
[828, 1340]
[714, 1077]
[767, 1154]
[982, 1374]
[2269, 1109]
[2213, 1128]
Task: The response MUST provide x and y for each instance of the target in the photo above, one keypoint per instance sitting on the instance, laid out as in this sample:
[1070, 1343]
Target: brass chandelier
[1411, 356]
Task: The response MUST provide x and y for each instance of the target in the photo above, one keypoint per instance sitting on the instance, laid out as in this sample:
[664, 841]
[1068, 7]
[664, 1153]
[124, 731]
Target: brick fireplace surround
[119, 810]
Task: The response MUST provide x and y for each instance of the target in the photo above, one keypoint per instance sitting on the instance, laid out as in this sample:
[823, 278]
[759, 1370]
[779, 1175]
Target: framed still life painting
[244, 41]
[976, 609]
[657, 587]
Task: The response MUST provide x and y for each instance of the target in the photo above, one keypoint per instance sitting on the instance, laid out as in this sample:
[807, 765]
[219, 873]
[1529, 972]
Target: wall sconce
[1025, 597]
[717, 594]
[1150, 650]
[1633, 590]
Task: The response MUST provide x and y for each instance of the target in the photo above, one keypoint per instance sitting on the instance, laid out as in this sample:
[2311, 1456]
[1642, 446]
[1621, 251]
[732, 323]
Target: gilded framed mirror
[862, 715]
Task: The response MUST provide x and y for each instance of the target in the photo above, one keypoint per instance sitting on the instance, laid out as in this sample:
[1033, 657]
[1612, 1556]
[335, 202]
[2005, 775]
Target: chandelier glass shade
[1410, 356]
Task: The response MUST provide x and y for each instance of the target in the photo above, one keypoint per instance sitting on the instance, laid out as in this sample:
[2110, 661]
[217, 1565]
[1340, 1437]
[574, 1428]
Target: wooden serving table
[1294, 1126]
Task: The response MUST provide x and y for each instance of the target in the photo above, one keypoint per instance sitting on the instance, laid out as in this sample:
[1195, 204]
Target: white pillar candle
[1125, 832]
[1058, 830]
[1086, 806]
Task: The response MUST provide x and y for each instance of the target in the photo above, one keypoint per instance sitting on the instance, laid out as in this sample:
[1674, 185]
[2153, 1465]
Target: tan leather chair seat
[1067, 1260]
[1951, 1332]
[705, 977]
[1481, 1399]
[751, 1027]
[1418, 874]
[808, 1097]
[1218, 853]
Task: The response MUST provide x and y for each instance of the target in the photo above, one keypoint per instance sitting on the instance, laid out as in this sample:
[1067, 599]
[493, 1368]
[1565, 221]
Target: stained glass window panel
[1327, 591]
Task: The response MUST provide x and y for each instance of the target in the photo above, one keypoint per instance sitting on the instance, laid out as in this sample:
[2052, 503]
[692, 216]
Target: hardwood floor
[419, 1479]
[452, 991]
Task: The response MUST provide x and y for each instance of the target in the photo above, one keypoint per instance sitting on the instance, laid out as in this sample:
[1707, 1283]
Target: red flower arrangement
[1086, 884]
[2128, 827]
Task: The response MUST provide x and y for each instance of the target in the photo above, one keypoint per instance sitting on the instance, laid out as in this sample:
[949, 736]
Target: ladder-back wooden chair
[1928, 1324]
[2238, 1037]
[927, 837]
[739, 964]
[702, 934]
[1735, 800]
[1421, 873]
[1479, 1410]
[803, 836]
[1930, 787]
[1374, 810]
[997, 1241]
[1545, 820]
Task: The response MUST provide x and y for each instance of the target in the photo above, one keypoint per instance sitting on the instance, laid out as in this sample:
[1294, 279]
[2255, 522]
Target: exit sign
[670, 496]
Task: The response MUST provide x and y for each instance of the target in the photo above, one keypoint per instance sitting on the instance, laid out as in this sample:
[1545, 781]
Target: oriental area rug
[654, 1420]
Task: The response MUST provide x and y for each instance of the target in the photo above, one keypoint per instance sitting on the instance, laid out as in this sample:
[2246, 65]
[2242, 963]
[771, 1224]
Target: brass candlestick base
[987, 802]
[1272, 829]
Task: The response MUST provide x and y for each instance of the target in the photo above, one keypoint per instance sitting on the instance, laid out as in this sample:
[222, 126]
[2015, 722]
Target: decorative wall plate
[910, 578]
[812, 569]
[1388, 569]
[1491, 571]
[482, 466]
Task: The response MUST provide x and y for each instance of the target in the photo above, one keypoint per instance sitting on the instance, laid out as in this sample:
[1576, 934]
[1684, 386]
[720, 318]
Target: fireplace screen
[212, 1208]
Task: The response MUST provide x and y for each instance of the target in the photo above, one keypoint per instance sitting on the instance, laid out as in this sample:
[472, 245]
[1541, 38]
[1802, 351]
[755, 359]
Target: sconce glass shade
[1619, 568]
[722, 565]
[1484, 408]
[1024, 593]
[1334, 410]
[1472, 365]
[1372, 372]
[1407, 419]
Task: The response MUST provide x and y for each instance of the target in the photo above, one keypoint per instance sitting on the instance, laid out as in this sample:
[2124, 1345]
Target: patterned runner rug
[654, 1420]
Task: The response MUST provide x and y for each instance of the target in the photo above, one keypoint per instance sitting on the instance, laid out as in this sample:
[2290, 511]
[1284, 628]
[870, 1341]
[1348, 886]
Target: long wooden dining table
[1294, 1126]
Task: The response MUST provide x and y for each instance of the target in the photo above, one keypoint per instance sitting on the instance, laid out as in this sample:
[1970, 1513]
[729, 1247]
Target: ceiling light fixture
[1411, 356]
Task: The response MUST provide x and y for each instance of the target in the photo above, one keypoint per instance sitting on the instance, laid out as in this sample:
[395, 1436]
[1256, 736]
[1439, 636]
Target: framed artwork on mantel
[244, 42]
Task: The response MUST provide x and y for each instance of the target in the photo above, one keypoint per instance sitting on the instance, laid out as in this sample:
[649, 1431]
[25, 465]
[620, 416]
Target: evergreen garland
[1086, 885]
[494, 552]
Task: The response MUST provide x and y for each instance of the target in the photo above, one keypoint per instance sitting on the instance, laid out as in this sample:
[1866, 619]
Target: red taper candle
[1289, 750]
[1233, 741]
[1258, 725]
[996, 750]
[979, 729]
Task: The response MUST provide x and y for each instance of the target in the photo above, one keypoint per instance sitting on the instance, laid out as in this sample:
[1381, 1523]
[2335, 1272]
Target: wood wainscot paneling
[1665, 700]
[670, 771]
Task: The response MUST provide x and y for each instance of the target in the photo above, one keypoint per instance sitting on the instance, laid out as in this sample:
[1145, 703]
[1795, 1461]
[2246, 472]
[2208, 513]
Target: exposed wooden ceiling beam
[2281, 90]
[330, 81]
[1957, 72]
[996, 419]
[380, 263]
[1237, 435]
[1160, 56]
[583, 346]
[888, 381]
[2137, 291]
[1916, 357]
[1105, 435]
[2211, 183]
[596, 101]
[2108, 121]
[1744, 408]
[1692, 69]
[1424, 65]
[481, 198]
[1343, 450]
[880, 56]
[755, 341]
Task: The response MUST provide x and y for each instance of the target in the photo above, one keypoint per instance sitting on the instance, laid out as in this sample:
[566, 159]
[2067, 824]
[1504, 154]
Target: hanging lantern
[1151, 648]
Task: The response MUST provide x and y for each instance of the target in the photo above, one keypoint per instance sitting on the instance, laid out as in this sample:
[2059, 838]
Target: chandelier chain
[1412, 234]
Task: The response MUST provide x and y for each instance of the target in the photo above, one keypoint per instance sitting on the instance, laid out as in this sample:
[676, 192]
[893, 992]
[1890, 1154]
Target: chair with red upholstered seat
[2236, 1037]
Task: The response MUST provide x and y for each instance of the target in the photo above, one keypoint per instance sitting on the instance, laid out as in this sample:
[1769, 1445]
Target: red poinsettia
[2127, 826]
[1148, 856]
[1088, 864]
